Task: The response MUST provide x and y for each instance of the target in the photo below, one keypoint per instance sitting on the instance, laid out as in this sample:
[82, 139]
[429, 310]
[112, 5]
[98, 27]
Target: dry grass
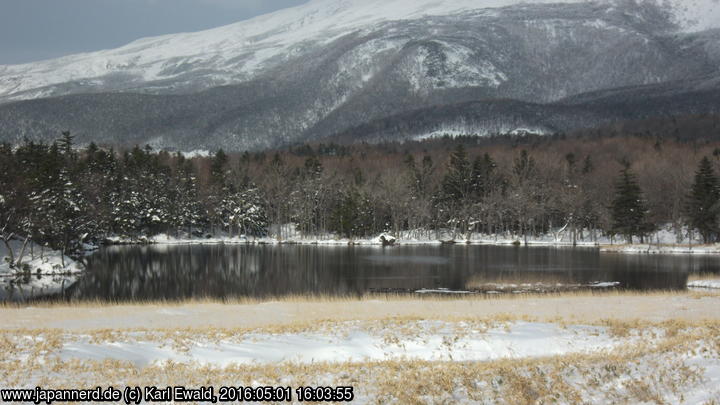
[385, 297]
[704, 276]
[644, 372]
[581, 307]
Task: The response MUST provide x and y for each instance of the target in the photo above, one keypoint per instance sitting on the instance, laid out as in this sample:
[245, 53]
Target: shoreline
[603, 247]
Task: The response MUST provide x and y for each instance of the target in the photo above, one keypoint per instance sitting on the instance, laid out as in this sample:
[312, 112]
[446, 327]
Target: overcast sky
[32, 30]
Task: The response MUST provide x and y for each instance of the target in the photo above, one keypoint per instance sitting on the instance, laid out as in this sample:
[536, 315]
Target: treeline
[629, 186]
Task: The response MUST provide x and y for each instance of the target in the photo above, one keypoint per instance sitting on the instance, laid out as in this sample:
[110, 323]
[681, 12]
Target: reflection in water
[231, 271]
[28, 286]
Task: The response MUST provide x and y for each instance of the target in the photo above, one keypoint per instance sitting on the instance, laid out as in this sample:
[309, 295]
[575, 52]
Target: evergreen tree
[218, 168]
[313, 167]
[246, 213]
[352, 216]
[702, 203]
[65, 143]
[187, 210]
[457, 183]
[628, 208]
[62, 212]
[483, 175]
[588, 166]
[425, 176]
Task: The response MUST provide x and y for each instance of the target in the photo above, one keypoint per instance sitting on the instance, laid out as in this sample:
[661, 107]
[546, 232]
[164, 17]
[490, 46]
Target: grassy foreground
[579, 307]
[668, 351]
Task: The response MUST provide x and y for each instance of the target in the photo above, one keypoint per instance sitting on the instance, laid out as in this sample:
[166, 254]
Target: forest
[63, 196]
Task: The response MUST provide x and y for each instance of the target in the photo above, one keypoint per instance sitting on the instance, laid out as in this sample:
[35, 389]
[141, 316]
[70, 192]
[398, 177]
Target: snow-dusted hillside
[238, 52]
[331, 65]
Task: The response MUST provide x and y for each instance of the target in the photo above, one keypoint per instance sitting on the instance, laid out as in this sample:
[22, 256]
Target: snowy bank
[391, 362]
[713, 284]
[429, 341]
[41, 272]
[662, 249]
[36, 260]
[292, 237]
[664, 241]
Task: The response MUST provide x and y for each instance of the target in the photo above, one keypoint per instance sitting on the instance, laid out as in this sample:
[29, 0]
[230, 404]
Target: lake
[125, 273]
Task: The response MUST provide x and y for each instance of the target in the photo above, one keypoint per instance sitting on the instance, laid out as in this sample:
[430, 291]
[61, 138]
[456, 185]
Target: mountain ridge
[537, 52]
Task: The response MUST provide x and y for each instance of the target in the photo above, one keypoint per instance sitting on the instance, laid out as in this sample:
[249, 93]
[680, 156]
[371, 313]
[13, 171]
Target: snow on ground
[41, 272]
[464, 130]
[426, 361]
[427, 341]
[522, 288]
[662, 249]
[441, 291]
[290, 235]
[563, 352]
[714, 284]
[664, 241]
[37, 259]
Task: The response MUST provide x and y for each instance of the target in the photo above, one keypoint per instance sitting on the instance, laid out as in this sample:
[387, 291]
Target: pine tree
[588, 166]
[457, 184]
[483, 175]
[246, 212]
[628, 208]
[313, 167]
[62, 212]
[702, 203]
[65, 143]
[218, 168]
[189, 210]
[353, 213]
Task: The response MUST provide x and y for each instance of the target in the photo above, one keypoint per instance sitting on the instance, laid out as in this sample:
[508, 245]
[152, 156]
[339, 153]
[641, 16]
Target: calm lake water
[231, 271]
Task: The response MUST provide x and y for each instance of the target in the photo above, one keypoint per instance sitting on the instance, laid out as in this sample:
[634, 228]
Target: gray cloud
[33, 30]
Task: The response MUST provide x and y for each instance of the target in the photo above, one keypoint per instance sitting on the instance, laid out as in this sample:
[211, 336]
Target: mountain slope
[491, 117]
[331, 65]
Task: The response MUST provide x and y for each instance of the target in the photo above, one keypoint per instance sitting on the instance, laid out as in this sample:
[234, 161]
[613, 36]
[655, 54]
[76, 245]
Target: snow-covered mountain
[331, 65]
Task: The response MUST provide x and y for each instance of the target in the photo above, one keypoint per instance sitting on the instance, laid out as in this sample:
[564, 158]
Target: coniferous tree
[218, 168]
[187, 210]
[702, 203]
[454, 203]
[62, 212]
[65, 143]
[588, 166]
[352, 215]
[247, 213]
[219, 190]
[457, 183]
[484, 178]
[628, 209]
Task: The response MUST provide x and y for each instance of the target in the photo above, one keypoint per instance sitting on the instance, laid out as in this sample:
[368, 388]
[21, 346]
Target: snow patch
[36, 260]
[431, 341]
[462, 129]
[197, 153]
[442, 291]
[713, 284]
[443, 65]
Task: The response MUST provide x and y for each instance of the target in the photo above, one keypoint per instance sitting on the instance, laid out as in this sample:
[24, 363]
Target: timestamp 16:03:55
[285, 394]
